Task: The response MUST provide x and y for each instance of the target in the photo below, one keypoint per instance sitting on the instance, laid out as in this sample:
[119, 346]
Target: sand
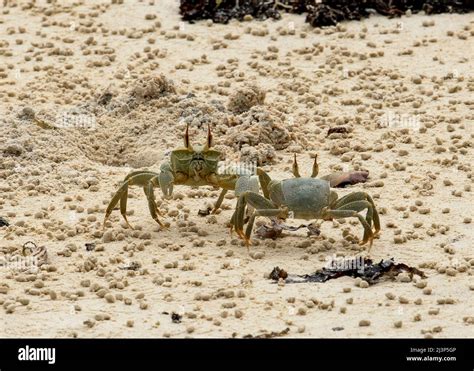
[91, 92]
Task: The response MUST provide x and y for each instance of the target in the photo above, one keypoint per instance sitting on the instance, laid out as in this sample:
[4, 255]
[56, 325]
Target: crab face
[196, 163]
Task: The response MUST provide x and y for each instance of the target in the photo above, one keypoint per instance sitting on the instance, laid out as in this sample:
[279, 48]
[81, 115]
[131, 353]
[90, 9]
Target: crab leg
[263, 207]
[166, 179]
[358, 206]
[219, 201]
[238, 183]
[372, 214]
[120, 195]
[151, 201]
[264, 180]
[344, 213]
[141, 178]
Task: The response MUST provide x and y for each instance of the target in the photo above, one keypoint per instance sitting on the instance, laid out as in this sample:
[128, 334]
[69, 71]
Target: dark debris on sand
[269, 335]
[368, 271]
[319, 14]
[3, 222]
[276, 228]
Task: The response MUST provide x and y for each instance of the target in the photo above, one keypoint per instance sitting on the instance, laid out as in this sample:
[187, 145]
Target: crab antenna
[315, 167]
[209, 136]
[296, 171]
[186, 137]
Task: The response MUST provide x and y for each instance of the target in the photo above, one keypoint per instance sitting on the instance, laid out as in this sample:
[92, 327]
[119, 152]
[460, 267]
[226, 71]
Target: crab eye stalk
[187, 144]
[315, 167]
[296, 170]
[209, 138]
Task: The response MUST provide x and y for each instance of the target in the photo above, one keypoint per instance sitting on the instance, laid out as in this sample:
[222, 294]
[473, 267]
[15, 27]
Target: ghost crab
[192, 166]
[304, 198]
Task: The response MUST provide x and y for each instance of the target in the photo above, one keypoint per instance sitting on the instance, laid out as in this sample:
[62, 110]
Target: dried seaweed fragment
[269, 335]
[204, 212]
[358, 267]
[274, 230]
[319, 14]
[90, 246]
[278, 273]
[132, 266]
[176, 318]
[3, 222]
[338, 130]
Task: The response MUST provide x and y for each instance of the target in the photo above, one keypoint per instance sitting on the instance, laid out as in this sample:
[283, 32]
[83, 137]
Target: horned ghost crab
[304, 198]
[192, 166]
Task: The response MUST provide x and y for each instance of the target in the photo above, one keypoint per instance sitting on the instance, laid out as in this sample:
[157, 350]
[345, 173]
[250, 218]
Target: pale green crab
[304, 198]
[192, 166]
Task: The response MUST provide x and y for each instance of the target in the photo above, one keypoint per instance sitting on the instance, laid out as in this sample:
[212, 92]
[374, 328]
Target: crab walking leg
[153, 182]
[219, 201]
[238, 183]
[247, 183]
[338, 214]
[237, 220]
[123, 206]
[376, 218]
[358, 206]
[226, 182]
[143, 180]
[262, 206]
[120, 195]
[361, 196]
[264, 180]
[151, 201]
[140, 178]
[348, 200]
[165, 180]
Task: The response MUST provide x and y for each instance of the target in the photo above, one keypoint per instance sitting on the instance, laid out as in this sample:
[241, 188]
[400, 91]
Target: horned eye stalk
[187, 142]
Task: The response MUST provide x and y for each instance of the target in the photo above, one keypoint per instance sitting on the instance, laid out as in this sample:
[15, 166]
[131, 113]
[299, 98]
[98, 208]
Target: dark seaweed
[278, 273]
[319, 14]
[337, 129]
[204, 212]
[3, 222]
[176, 318]
[368, 271]
[90, 246]
[268, 335]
